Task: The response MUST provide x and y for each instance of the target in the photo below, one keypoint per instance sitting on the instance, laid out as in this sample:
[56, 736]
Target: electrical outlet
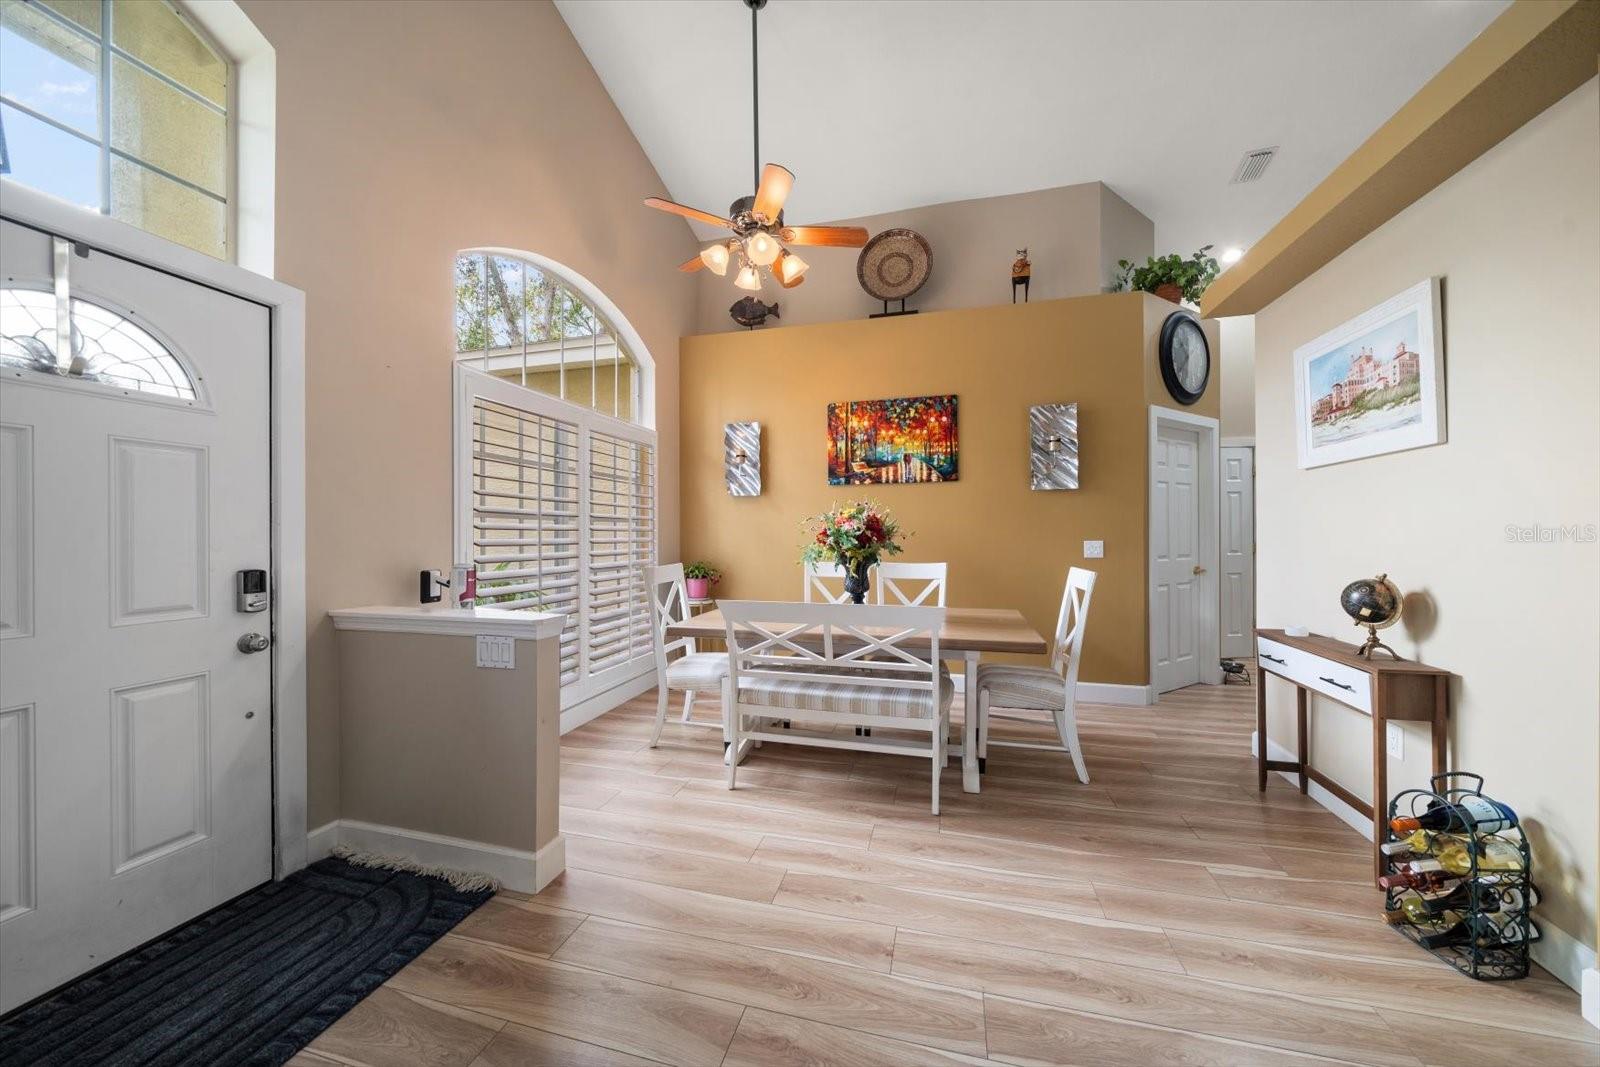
[500, 652]
[1395, 738]
[1094, 550]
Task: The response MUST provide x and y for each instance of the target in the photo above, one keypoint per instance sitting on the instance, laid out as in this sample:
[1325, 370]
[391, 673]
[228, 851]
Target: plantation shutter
[621, 537]
[526, 516]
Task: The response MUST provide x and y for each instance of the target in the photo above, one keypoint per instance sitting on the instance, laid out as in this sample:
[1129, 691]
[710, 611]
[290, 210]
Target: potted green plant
[699, 577]
[1172, 277]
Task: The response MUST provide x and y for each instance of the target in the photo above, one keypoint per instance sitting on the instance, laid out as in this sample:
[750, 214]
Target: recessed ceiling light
[1231, 255]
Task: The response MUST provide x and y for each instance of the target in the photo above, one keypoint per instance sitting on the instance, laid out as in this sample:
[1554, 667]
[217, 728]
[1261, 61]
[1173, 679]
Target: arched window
[522, 321]
[120, 106]
[107, 348]
[555, 465]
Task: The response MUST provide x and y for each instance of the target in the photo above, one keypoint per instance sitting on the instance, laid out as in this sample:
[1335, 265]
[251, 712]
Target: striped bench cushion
[805, 691]
[1029, 688]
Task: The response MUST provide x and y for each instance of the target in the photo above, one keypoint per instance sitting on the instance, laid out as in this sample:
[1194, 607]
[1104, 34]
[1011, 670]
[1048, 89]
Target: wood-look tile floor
[1167, 913]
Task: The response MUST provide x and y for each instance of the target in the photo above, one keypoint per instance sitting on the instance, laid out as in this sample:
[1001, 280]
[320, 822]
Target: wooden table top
[1345, 652]
[965, 630]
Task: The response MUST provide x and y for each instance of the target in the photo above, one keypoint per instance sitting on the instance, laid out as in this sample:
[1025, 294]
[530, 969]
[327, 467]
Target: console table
[1380, 687]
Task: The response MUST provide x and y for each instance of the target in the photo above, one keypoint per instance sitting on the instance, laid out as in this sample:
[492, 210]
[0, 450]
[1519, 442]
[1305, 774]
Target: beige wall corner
[369, 228]
[1534, 54]
[1492, 533]
[1125, 233]
[1238, 361]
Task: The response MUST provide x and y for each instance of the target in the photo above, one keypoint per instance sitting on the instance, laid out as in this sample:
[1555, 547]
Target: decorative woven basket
[894, 264]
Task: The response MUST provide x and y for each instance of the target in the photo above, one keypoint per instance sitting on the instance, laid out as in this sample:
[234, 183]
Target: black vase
[855, 580]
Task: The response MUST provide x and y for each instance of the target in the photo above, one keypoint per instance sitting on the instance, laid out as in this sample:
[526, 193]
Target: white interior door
[135, 737]
[1238, 580]
[1175, 568]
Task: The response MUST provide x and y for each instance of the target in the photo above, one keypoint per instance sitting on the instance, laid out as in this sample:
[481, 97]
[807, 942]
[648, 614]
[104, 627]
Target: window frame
[587, 695]
[102, 139]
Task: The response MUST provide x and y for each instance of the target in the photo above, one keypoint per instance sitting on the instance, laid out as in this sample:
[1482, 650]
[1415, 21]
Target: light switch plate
[498, 652]
[1094, 550]
[1395, 739]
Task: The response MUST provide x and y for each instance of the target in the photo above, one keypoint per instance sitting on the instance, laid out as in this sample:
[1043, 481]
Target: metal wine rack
[1502, 896]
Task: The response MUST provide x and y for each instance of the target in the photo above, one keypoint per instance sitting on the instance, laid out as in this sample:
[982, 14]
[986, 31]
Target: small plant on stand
[1172, 277]
[698, 578]
[855, 536]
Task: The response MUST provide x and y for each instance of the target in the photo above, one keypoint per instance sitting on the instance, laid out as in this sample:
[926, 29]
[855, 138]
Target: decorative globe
[1372, 602]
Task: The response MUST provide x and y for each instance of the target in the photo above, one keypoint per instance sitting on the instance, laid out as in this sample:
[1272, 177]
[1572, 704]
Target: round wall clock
[1185, 357]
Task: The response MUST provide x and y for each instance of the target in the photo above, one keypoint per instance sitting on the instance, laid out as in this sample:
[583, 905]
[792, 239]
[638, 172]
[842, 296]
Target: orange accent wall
[1007, 545]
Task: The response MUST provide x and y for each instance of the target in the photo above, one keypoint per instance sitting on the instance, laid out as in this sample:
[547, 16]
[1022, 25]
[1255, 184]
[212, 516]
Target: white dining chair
[897, 583]
[690, 673]
[1052, 689]
[819, 579]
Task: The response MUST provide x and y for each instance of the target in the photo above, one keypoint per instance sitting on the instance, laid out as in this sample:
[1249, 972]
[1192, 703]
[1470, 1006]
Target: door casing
[286, 306]
[1208, 622]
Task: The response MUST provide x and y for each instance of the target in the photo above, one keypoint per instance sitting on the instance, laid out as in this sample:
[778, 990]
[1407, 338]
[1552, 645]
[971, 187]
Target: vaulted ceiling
[878, 105]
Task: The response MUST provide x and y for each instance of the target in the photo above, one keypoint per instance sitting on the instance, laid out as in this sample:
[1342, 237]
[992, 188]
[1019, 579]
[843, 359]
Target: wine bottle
[1460, 898]
[1501, 930]
[1406, 879]
[1469, 812]
[1493, 854]
[1419, 842]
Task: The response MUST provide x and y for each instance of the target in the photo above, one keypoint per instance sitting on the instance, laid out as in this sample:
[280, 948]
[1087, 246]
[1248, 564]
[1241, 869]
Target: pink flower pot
[698, 588]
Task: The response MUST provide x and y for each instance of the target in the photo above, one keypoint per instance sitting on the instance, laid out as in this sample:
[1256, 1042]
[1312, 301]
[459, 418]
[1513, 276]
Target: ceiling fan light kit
[760, 236]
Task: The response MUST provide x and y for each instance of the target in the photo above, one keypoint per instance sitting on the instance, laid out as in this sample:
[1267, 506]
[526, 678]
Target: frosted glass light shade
[789, 269]
[748, 278]
[715, 257]
[762, 249]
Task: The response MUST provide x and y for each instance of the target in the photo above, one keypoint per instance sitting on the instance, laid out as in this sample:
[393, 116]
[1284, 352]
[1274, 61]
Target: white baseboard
[515, 869]
[1564, 956]
[1352, 818]
[597, 705]
[1569, 959]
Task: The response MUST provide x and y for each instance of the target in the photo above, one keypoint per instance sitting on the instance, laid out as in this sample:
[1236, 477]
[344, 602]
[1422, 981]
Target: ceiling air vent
[1253, 165]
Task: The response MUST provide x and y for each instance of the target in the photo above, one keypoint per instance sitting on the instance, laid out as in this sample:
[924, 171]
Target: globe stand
[1373, 645]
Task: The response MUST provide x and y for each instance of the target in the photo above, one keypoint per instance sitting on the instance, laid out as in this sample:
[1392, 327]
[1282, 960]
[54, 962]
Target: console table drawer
[1334, 680]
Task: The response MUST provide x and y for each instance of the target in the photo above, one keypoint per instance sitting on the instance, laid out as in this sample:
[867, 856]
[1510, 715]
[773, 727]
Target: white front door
[1175, 567]
[135, 736]
[1238, 579]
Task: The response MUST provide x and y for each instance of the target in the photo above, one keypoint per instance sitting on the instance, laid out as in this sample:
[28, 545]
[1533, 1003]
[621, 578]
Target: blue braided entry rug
[251, 982]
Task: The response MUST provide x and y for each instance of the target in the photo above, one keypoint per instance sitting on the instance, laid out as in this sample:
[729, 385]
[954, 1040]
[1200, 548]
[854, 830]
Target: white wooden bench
[835, 665]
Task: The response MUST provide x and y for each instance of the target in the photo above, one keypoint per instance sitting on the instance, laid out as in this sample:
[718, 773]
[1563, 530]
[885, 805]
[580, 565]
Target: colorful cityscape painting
[878, 442]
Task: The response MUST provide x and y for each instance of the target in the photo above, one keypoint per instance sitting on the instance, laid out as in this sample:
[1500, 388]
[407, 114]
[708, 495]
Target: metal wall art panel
[741, 458]
[1053, 450]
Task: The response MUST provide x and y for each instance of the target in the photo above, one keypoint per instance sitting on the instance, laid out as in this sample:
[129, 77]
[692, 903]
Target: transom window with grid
[556, 484]
[121, 106]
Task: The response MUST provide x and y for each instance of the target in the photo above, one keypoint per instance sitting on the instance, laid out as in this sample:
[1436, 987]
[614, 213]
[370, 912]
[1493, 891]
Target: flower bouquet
[854, 536]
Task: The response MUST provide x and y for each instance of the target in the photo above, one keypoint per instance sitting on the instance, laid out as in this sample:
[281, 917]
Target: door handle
[1199, 569]
[249, 643]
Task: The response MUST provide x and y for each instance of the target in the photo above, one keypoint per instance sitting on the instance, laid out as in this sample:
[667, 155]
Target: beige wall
[1516, 239]
[1074, 235]
[402, 139]
[1007, 545]
[1238, 375]
[437, 745]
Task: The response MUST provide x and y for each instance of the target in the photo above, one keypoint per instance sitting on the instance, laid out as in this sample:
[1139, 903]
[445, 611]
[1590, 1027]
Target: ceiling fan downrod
[755, 7]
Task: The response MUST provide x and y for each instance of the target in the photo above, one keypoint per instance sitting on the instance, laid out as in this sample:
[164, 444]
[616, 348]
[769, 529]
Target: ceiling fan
[759, 233]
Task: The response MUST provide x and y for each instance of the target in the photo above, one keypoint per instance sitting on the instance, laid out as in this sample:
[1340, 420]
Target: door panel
[137, 773]
[1238, 551]
[1175, 623]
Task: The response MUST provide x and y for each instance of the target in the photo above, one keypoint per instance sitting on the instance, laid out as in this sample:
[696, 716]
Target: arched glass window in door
[107, 348]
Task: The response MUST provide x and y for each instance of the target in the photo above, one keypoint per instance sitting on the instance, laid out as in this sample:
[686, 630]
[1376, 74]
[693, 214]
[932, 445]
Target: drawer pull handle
[1341, 685]
[1271, 659]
